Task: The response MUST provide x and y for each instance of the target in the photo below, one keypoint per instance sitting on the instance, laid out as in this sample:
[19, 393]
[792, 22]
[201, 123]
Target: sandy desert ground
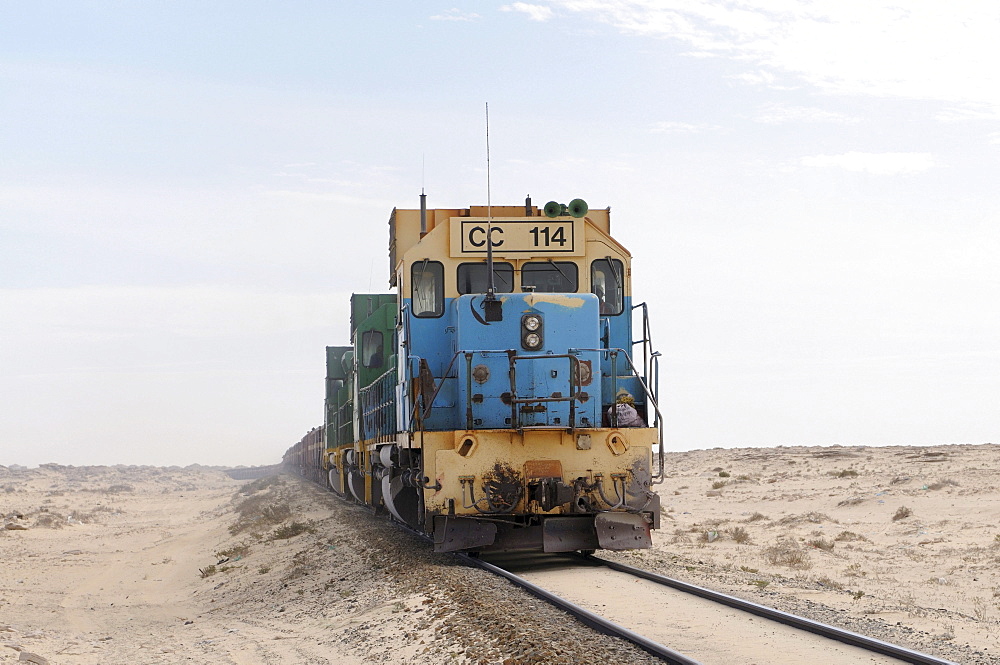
[166, 565]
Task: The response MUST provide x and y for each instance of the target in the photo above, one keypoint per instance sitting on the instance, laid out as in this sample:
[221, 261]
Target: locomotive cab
[480, 402]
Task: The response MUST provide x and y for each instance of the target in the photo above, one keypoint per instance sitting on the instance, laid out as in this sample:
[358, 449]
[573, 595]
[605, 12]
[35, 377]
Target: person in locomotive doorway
[625, 407]
[605, 307]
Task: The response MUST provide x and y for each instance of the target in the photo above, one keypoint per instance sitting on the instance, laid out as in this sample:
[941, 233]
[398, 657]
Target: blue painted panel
[433, 338]
[616, 333]
[620, 327]
[477, 392]
[569, 322]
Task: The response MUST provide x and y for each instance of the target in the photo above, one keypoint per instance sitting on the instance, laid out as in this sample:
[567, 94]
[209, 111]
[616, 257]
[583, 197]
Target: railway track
[660, 609]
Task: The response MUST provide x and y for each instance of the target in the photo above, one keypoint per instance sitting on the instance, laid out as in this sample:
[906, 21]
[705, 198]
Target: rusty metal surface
[623, 531]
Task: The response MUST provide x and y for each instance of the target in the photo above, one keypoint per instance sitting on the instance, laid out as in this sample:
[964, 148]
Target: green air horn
[553, 209]
[578, 207]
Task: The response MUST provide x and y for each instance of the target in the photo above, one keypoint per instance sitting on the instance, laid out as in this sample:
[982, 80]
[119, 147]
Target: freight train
[504, 396]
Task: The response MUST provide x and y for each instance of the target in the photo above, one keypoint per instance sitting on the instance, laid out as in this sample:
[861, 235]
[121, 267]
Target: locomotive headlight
[532, 333]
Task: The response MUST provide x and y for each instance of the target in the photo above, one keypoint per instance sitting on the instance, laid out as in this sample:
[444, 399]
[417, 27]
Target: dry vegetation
[879, 536]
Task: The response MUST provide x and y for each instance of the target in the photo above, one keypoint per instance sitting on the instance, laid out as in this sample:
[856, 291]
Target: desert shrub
[239, 550]
[208, 571]
[255, 486]
[850, 536]
[265, 506]
[848, 473]
[276, 512]
[756, 517]
[788, 553]
[50, 521]
[259, 511]
[854, 570]
[680, 536]
[822, 544]
[813, 517]
[941, 484]
[719, 484]
[740, 535]
[286, 531]
[827, 582]
[118, 489]
[901, 513]
[724, 474]
[88, 517]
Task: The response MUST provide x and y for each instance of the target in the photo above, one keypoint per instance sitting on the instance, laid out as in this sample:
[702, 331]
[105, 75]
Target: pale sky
[190, 192]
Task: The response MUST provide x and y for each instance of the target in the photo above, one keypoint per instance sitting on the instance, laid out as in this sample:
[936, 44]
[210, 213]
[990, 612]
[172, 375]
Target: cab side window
[371, 349]
[607, 282]
[427, 289]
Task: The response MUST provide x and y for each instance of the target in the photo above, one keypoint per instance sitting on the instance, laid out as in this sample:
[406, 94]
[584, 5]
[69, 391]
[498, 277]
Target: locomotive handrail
[574, 370]
[572, 355]
[344, 422]
[646, 341]
[510, 353]
[378, 412]
[659, 478]
[408, 375]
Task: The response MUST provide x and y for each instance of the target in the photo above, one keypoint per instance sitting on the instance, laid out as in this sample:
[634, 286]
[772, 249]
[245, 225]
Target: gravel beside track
[389, 599]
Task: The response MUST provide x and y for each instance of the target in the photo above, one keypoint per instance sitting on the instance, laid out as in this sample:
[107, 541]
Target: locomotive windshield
[550, 276]
[472, 278]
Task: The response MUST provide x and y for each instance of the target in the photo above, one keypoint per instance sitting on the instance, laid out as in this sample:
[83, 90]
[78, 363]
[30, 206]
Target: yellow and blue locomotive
[498, 400]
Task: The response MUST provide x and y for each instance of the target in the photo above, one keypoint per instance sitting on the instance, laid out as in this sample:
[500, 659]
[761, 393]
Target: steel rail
[669, 655]
[587, 617]
[822, 629]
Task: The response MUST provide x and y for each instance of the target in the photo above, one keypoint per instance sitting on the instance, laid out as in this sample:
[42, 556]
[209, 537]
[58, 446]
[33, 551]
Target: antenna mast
[492, 306]
[491, 289]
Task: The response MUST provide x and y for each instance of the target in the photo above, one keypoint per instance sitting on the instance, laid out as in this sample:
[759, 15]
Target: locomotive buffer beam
[608, 530]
